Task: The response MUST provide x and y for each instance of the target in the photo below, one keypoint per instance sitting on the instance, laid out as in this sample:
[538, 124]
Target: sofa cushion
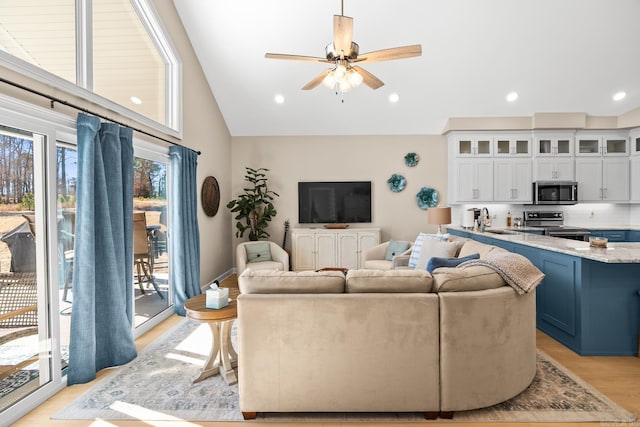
[377, 264]
[291, 282]
[394, 281]
[472, 247]
[258, 252]
[416, 249]
[451, 279]
[437, 262]
[437, 248]
[396, 248]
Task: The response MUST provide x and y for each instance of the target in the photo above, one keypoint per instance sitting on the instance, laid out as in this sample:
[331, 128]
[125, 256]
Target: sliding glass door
[25, 332]
[150, 233]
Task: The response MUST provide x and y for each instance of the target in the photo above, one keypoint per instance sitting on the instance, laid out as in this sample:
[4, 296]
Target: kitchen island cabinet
[589, 298]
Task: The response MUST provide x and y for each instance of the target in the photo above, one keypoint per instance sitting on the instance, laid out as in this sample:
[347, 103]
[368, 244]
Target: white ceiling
[559, 55]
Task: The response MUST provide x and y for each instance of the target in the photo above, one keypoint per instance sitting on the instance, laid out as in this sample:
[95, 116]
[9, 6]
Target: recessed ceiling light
[136, 100]
[512, 96]
[619, 96]
[279, 99]
[394, 97]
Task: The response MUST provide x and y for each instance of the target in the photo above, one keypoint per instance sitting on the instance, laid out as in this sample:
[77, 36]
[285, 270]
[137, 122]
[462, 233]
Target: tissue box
[217, 298]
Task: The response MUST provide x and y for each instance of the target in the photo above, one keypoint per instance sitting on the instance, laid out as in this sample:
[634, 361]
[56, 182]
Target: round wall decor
[210, 196]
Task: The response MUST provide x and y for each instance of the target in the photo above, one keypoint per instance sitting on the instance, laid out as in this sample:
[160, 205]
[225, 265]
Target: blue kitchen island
[589, 299]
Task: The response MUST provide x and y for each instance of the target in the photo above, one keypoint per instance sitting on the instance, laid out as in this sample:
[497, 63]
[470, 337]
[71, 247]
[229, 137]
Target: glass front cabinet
[602, 145]
[512, 145]
[554, 145]
[474, 147]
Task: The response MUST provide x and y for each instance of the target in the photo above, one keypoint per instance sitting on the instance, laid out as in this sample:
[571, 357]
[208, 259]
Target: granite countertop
[614, 253]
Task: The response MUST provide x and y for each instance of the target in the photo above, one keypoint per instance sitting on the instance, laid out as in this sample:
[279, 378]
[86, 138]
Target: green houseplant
[254, 208]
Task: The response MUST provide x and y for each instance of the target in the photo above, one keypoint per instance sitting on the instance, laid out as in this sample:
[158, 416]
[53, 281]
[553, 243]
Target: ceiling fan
[344, 54]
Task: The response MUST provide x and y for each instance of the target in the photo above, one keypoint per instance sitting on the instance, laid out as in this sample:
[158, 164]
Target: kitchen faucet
[485, 220]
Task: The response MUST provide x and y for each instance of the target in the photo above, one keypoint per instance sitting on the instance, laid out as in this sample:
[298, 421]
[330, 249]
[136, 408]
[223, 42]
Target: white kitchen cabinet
[602, 145]
[473, 146]
[473, 180]
[603, 179]
[512, 145]
[313, 249]
[512, 180]
[635, 142]
[554, 145]
[553, 169]
[635, 179]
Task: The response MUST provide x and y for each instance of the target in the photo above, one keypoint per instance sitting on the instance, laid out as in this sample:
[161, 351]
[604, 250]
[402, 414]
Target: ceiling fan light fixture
[354, 77]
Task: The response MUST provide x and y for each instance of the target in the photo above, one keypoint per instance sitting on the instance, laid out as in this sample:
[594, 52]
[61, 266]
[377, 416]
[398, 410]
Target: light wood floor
[616, 377]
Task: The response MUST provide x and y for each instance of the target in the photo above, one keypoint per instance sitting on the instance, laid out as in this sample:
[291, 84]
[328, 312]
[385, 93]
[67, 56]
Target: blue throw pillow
[258, 252]
[396, 248]
[436, 262]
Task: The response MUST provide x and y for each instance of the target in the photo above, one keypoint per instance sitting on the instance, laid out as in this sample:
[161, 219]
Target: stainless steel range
[553, 224]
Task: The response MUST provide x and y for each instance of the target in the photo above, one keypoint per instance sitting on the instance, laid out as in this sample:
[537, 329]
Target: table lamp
[439, 216]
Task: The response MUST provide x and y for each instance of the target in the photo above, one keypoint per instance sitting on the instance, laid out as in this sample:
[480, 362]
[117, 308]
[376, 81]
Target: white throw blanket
[515, 269]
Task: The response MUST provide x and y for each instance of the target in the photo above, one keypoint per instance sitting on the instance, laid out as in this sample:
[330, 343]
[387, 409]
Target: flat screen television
[334, 202]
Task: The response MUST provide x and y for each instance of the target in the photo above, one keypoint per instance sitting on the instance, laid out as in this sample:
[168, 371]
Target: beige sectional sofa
[383, 341]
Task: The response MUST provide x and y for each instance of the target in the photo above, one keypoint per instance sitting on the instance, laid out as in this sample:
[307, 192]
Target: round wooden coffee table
[220, 321]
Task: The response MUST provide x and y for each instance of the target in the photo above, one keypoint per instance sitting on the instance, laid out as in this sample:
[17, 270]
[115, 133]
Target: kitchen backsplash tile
[583, 214]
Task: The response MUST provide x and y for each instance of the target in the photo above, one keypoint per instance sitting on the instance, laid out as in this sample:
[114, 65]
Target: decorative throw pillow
[396, 248]
[437, 248]
[437, 262]
[258, 252]
[417, 246]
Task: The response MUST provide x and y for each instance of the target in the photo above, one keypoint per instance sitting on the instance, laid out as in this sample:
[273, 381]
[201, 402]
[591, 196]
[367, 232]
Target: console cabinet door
[366, 240]
[325, 250]
[348, 250]
[303, 248]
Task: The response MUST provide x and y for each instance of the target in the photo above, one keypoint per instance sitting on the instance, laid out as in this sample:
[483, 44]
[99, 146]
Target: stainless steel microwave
[555, 193]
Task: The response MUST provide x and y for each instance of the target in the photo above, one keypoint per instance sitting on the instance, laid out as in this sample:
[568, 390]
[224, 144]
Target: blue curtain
[184, 237]
[102, 315]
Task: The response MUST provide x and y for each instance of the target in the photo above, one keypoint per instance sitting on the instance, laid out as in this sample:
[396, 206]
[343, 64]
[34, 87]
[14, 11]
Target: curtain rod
[53, 100]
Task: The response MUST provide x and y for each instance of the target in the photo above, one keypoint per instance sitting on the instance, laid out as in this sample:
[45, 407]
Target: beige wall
[337, 158]
[203, 129]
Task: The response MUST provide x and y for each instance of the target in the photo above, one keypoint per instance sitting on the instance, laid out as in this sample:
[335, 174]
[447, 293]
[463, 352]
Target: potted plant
[254, 208]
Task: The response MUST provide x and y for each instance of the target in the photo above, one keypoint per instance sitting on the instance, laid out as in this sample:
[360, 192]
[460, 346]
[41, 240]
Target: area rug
[157, 386]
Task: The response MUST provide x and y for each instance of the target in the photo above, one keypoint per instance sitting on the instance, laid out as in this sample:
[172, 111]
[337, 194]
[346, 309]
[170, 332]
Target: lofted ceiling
[558, 55]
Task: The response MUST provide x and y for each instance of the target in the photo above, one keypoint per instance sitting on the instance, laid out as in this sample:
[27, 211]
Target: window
[115, 49]
[127, 67]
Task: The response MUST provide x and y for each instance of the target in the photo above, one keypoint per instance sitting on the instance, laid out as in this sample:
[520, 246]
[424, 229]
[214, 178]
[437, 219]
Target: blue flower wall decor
[411, 159]
[397, 183]
[427, 198]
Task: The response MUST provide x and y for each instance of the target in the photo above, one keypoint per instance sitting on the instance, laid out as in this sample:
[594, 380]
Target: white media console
[316, 248]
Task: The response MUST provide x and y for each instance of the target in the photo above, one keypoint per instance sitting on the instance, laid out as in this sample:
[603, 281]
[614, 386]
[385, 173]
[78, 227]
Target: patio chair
[18, 313]
[143, 252]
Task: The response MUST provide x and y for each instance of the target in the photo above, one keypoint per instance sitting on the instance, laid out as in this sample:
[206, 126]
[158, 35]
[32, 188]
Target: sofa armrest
[376, 252]
[400, 261]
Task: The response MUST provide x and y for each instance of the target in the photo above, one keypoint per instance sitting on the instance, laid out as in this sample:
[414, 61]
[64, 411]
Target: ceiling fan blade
[315, 82]
[392, 53]
[294, 57]
[342, 34]
[369, 79]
